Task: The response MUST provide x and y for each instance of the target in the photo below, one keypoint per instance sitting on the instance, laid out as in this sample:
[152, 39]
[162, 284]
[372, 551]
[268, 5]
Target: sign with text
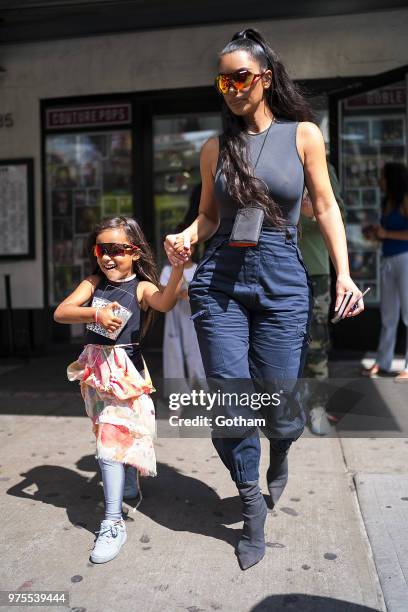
[95, 115]
[394, 97]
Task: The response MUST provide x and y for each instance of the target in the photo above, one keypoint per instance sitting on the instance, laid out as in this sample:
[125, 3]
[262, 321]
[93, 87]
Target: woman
[393, 232]
[251, 305]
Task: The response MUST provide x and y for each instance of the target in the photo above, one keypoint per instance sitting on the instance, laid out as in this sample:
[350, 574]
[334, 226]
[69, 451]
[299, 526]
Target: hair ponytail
[284, 100]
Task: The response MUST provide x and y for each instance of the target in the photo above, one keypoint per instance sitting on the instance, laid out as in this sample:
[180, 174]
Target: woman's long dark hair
[284, 100]
[396, 185]
[145, 267]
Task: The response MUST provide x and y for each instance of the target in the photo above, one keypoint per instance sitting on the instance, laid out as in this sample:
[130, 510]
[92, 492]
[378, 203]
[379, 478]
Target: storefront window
[177, 145]
[373, 132]
[88, 177]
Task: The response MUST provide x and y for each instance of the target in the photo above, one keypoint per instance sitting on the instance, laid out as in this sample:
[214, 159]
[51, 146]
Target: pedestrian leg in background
[390, 312]
[174, 378]
[132, 490]
[316, 371]
[191, 350]
[400, 263]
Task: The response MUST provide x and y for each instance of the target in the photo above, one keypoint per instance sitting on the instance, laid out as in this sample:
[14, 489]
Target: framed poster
[88, 177]
[16, 209]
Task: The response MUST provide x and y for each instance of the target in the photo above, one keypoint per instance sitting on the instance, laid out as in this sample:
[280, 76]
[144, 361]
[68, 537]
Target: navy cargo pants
[251, 308]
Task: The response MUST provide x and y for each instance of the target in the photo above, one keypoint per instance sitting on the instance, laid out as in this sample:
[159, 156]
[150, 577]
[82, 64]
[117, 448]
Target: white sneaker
[319, 423]
[112, 536]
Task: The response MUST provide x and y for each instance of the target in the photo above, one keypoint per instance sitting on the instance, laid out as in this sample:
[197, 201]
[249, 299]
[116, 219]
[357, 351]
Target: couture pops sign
[94, 115]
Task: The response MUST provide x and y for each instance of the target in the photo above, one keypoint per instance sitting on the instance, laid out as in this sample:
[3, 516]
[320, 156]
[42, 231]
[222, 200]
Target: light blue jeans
[394, 300]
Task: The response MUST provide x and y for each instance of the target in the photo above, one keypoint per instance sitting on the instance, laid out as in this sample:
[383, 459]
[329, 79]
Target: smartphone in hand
[344, 303]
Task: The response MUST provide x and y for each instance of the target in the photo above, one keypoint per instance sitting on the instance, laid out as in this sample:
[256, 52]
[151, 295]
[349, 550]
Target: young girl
[115, 382]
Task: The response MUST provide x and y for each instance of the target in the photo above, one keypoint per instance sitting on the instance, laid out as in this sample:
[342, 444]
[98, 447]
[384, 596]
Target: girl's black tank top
[123, 292]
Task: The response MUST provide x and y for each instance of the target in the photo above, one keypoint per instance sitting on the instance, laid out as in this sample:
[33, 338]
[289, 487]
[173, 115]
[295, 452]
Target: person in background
[393, 232]
[193, 205]
[182, 363]
[316, 258]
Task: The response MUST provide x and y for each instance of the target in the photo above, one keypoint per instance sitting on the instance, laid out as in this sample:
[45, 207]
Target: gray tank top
[279, 166]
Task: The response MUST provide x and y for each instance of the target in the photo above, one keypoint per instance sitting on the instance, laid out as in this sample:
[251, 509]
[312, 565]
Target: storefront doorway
[135, 155]
[368, 129]
[139, 154]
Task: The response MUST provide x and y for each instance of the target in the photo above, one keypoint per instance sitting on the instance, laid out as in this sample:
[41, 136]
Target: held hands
[356, 305]
[177, 247]
[107, 317]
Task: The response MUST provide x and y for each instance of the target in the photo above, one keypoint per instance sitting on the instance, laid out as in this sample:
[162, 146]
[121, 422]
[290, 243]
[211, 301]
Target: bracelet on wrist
[96, 315]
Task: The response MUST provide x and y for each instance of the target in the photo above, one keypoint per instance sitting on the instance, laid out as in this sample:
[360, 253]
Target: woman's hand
[356, 306]
[177, 247]
[379, 232]
[108, 319]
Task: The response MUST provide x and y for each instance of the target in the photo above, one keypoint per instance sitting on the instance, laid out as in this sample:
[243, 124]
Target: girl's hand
[344, 283]
[108, 319]
[177, 247]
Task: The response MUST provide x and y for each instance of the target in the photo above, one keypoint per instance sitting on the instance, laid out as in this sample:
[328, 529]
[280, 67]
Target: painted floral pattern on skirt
[117, 399]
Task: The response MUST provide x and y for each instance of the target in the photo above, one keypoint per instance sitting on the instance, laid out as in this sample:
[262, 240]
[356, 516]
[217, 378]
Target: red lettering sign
[394, 97]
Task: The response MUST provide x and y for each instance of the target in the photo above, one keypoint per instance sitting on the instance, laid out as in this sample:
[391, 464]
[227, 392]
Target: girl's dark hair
[285, 101]
[145, 267]
[396, 183]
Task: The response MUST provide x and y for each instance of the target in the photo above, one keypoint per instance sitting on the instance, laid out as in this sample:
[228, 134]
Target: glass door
[177, 142]
[372, 130]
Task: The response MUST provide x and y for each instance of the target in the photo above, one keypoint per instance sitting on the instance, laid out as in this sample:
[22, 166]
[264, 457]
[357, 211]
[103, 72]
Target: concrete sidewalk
[180, 549]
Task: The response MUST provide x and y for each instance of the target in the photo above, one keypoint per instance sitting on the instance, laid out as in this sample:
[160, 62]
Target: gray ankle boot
[251, 547]
[277, 474]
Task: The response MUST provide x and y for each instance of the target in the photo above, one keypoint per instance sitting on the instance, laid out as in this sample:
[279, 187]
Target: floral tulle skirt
[117, 399]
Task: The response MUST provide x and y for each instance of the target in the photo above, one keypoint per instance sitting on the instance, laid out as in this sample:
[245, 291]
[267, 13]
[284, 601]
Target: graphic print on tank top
[124, 293]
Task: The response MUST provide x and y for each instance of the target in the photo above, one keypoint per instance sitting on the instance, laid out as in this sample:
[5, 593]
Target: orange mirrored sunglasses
[239, 80]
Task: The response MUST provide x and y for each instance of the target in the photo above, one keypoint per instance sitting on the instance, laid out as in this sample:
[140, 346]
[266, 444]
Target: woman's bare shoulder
[210, 147]
[308, 130]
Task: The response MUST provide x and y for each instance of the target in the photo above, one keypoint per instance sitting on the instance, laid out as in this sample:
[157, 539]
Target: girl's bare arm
[163, 299]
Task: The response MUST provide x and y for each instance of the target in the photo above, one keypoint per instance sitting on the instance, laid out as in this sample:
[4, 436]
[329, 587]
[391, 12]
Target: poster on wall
[89, 176]
[16, 209]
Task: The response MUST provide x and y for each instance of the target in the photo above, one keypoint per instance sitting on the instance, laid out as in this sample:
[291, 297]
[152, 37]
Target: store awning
[35, 20]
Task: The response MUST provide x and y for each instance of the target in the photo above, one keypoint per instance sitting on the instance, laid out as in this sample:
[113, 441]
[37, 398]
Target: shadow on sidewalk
[300, 602]
[184, 503]
[172, 499]
[81, 496]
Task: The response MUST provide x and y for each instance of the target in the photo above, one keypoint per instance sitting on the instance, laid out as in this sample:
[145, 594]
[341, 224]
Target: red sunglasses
[114, 249]
[239, 80]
